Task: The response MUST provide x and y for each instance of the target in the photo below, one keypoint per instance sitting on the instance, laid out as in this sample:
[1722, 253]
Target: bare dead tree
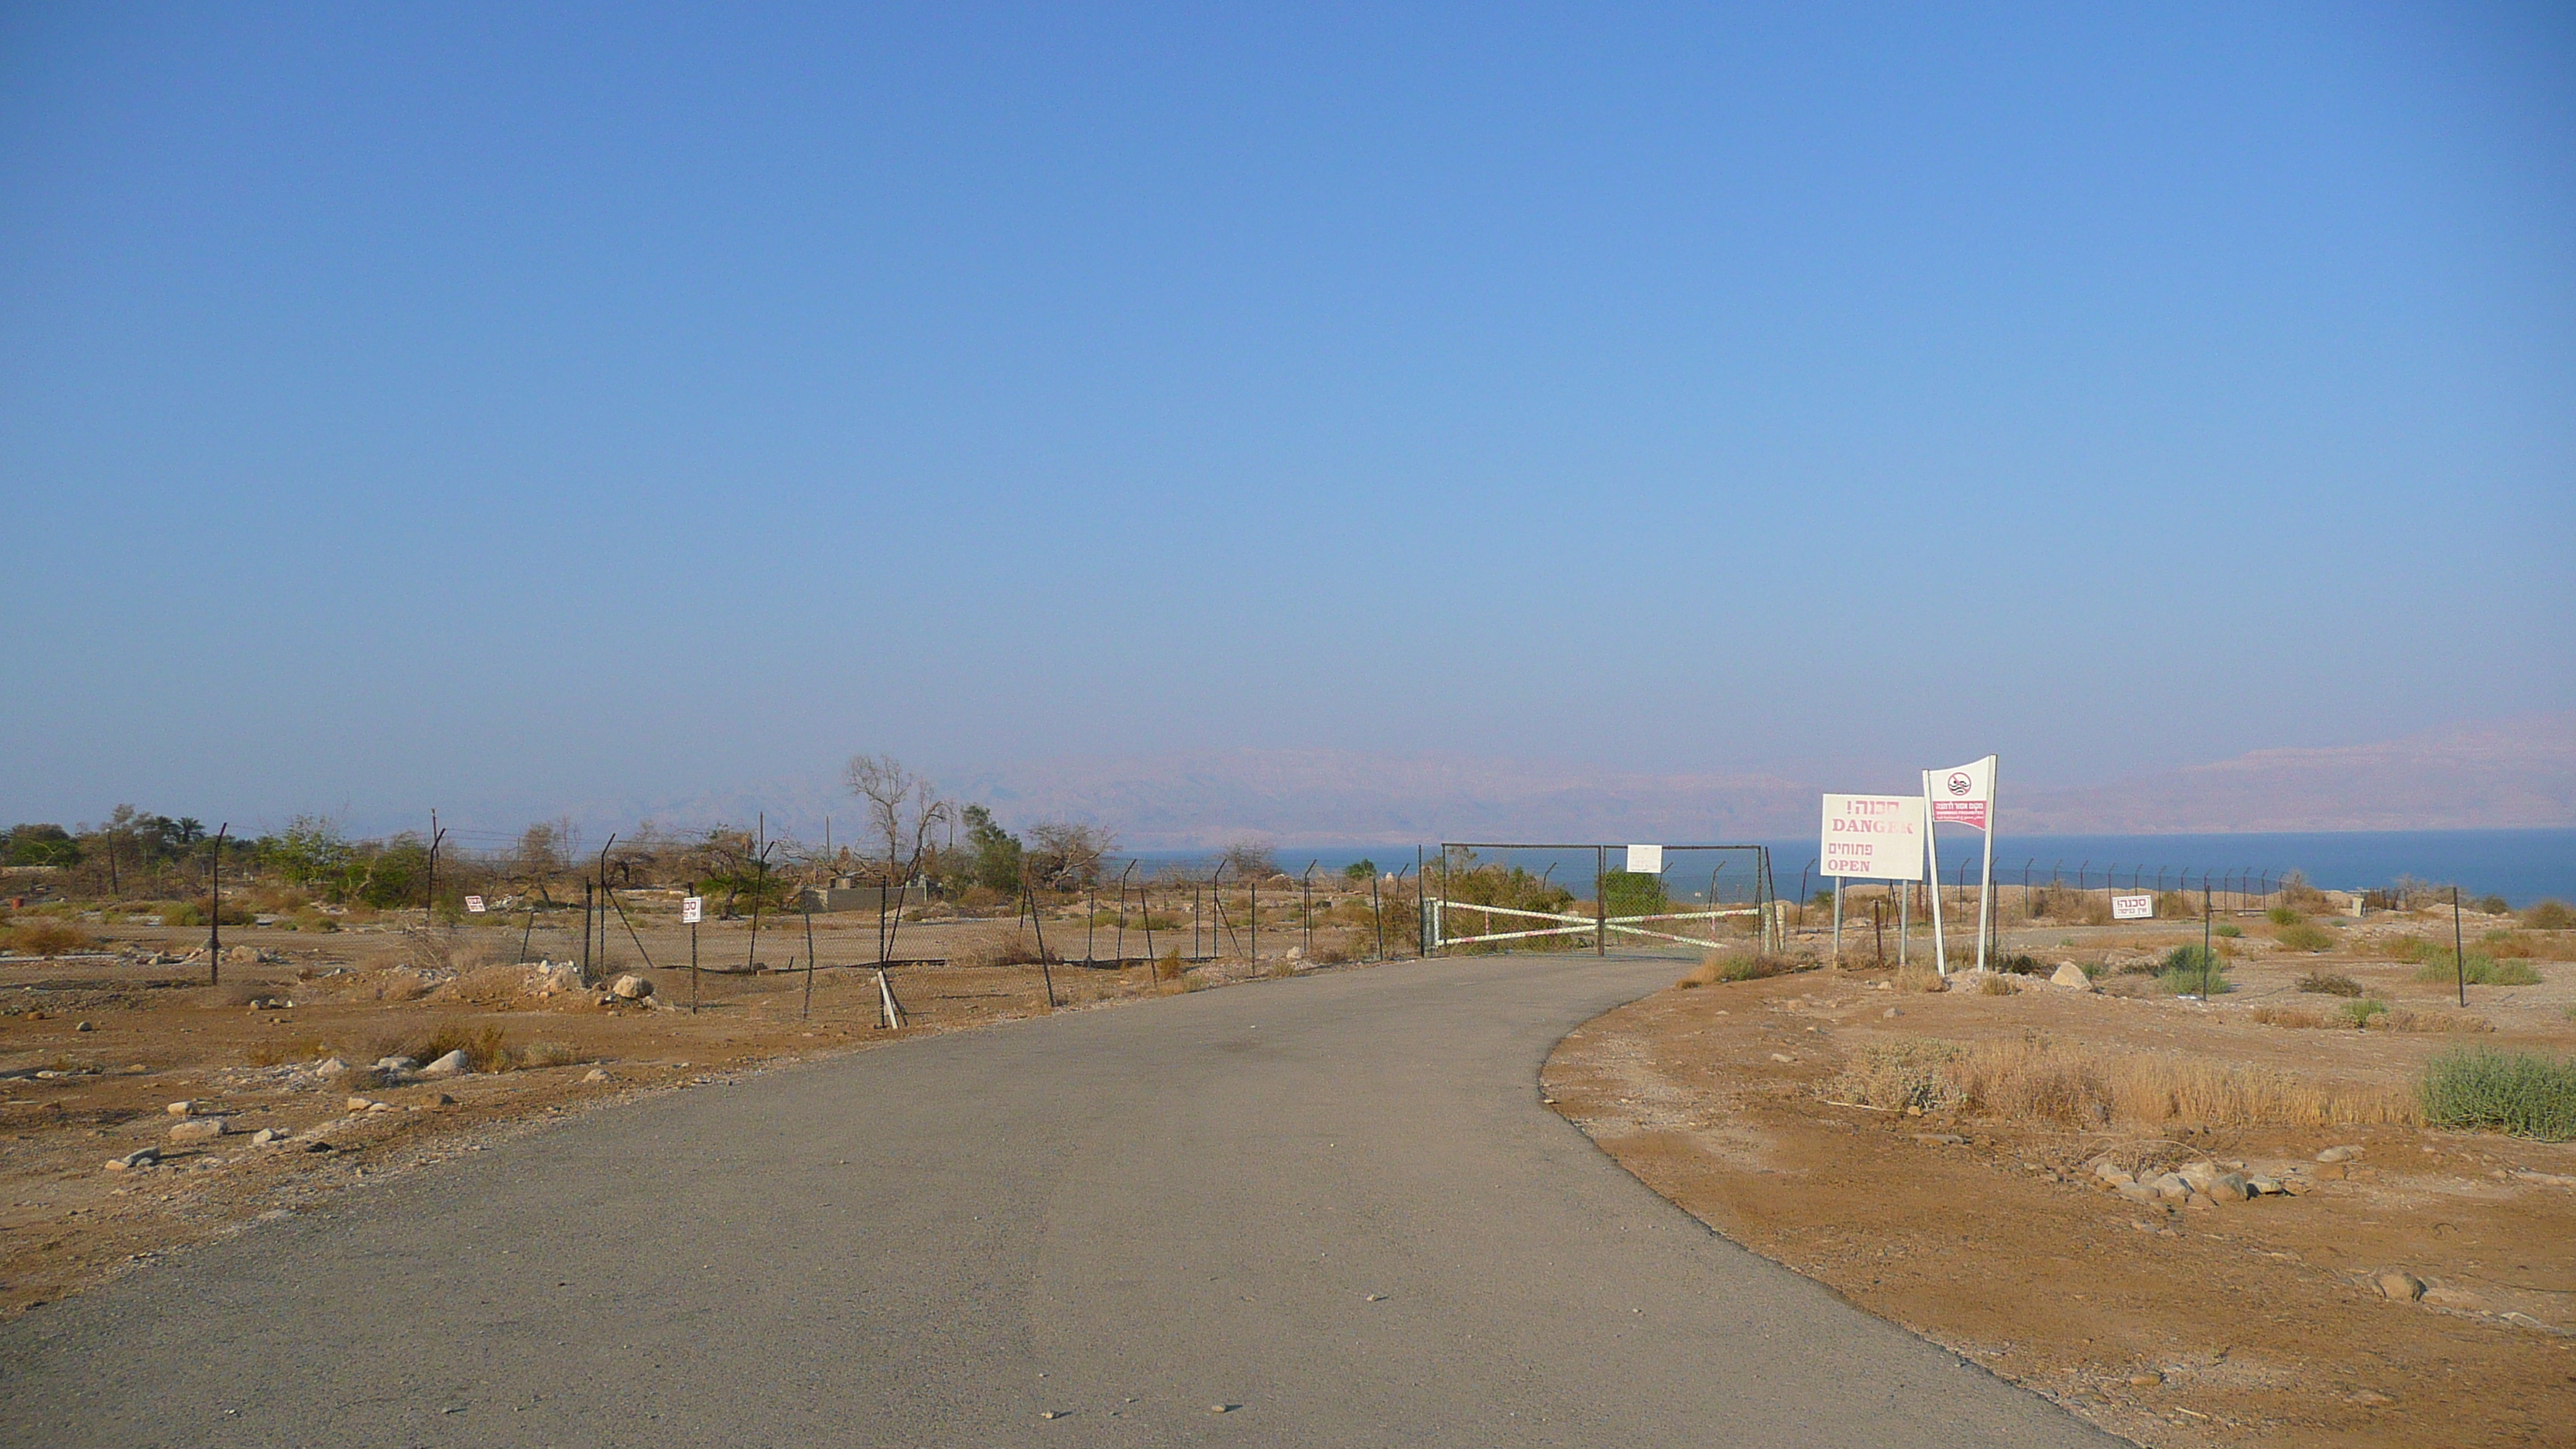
[903, 809]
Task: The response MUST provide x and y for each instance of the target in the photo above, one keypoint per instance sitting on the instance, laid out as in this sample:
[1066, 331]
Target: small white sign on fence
[474, 904]
[692, 910]
[2133, 908]
[1645, 860]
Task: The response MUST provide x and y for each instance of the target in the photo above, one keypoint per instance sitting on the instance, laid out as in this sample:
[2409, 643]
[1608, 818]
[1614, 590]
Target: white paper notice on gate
[1873, 837]
[2133, 908]
[692, 909]
[1645, 860]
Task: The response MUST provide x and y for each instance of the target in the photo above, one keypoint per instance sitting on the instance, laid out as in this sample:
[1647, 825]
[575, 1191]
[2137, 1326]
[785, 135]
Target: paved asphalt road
[1334, 1205]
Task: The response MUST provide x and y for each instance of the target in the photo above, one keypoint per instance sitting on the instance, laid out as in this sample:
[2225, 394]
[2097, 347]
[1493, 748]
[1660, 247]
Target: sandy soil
[94, 1050]
[2187, 1325]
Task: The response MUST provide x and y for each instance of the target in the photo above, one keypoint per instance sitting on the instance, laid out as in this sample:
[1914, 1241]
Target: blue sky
[524, 405]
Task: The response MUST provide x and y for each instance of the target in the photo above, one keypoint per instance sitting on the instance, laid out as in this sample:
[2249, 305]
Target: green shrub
[2320, 984]
[2441, 966]
[2188, 970]
[2360, 1012]
[2524, 1093]
[2227, 930]
[2492, 905]
[2284, 916]
[2303, 936]
[2550, 915]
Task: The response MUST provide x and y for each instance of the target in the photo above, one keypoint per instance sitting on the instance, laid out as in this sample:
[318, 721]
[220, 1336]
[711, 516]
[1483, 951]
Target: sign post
[1964, 796]
[1870, 837]
[693, 909]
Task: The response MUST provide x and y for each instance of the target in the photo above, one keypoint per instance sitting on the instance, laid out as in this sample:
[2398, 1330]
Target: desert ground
[2387, 1283]
[128, 1049]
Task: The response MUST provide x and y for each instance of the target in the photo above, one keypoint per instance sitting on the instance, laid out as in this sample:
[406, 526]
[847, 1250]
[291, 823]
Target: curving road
[1334, 1205]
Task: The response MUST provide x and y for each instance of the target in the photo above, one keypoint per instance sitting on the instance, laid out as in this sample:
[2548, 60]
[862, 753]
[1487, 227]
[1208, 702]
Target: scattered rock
[2400, 1286]
[1940, 1139]
[594, 1075]
[382, 1107]
[441, 1099]
[396, 1066]
[1893, 1011]
[267, 1137]
[86, 1026]
[455, 1063]
[330, 1067]
[2229, 1187]
[360, 1104]
[2145, 1381]
[2069, 974]
[630, 988]
[2137, 1192]
[2266, 1186]
[2368, 1399]
[2339, 1154]
[1784, 1058]
[2172, 1186]
[139, 1157]
[181, 1109]
[199, 1129]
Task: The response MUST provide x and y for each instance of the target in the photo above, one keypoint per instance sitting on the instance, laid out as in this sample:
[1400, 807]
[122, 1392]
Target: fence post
[215, 909]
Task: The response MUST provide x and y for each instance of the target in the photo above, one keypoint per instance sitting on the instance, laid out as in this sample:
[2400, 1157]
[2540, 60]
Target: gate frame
[1434, 939]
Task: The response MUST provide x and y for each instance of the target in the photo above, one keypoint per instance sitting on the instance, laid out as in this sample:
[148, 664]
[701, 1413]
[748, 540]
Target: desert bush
[1170, 968]
[2189, 970]
[1332, 956]
[2044, 1079]
[2284, 916]
[2360, 1011]
[2441, 966]
[2227, 930]
[2292, 1016]
[1998, 986]
[2526, 1094]
[2177, 905]
[276, 1053]
[2307, 936]
[2492, 905]
[46, 938]
[1719, 966]
[1919, 978]
[1016, 950]
[2018, 965]
[2320, 983]
[2550, 915]
[486, 1048]
[2401, 1018]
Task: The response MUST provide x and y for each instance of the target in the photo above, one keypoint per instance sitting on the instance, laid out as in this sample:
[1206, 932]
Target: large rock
[2171, 1186]
[2339, 1154]
[397, 1066]
[2070, 974]
[139, 1157]
[453, 1064]
[330, 1067]
[199, 1129]
[2400, 1286]
[2229, 1187]
[630, 988]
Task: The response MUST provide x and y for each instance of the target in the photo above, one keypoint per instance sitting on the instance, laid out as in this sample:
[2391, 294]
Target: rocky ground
[2177, 1283]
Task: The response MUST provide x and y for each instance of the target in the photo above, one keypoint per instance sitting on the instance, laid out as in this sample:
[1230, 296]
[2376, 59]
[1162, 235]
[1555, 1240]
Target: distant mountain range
[2509, 774]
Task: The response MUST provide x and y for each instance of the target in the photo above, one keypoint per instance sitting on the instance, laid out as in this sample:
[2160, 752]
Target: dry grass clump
[1169, 968]
[547, 1054]
[2040, 1078]
[1998, 986]
[2322, 983]
[485, 984]
[1010, 951]
[2551, 915]
[2402, 1019]
[2297, 1017]
[46, 938]
[2441, 965]
[1720, 966]
[1919, 979]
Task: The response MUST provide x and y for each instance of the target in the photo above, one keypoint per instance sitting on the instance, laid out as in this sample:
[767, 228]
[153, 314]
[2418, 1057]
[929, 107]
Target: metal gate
[1494, 923]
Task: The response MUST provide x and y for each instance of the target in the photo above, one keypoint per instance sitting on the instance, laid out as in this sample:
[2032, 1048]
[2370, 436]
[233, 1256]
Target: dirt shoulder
[94, 1052]
[2169, 1323]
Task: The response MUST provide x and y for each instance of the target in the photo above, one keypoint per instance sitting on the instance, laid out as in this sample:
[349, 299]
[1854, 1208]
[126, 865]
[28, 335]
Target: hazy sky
[526, 404]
